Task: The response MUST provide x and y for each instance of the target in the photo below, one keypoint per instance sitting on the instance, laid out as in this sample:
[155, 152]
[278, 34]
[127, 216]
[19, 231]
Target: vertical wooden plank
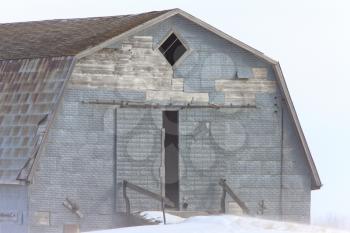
[223, 201]
[241, 204]
[162, 173]
[127, 201]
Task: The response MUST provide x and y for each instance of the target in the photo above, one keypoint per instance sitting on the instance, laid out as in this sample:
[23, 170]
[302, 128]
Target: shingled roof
[29, 93]
[53, 38]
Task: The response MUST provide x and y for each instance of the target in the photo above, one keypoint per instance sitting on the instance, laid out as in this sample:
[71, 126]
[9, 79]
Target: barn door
[138, 148]
[205, 154]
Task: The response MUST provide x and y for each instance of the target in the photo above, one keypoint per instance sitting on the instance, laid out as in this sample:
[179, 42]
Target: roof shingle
[29, 94]
[53, 38]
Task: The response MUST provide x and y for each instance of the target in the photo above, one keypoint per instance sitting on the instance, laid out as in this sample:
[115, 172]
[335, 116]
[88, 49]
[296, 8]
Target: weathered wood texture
[145, 192]
[227, 189]
[135, 65]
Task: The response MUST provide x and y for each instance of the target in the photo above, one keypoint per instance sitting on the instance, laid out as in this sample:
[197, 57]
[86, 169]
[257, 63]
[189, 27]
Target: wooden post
[162, 173]
[127, 201]
[241, 204]
[223, 201]
[73, 206]
[148, 193]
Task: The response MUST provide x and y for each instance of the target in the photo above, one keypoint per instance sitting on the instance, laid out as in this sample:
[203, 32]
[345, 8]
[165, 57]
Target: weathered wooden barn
[99, 113]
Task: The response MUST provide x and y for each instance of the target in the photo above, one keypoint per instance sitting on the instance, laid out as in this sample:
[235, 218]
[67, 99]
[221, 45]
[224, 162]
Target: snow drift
[217, 224]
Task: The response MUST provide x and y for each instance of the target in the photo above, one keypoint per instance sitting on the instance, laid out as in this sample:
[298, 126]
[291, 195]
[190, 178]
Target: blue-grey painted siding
[209, 57]
[77, 163]
[244, 147]
[14, 200]
[138, 155]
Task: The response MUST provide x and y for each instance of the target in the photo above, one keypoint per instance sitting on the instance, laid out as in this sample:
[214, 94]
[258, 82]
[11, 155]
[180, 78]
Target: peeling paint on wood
[135, 65]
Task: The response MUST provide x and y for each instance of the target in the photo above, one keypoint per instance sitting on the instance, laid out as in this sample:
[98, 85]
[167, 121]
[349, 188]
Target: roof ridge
[84, 18]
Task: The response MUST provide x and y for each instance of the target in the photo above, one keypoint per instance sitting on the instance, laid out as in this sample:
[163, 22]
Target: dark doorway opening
[171, 145]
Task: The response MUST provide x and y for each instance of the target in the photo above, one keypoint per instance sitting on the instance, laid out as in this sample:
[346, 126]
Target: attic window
[172, 49]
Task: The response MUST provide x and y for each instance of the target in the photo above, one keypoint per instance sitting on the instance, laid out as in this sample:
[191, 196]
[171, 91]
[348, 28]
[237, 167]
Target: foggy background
[311, 39]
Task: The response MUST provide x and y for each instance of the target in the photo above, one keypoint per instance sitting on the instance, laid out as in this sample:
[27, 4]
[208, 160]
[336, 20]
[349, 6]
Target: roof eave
[316, 181]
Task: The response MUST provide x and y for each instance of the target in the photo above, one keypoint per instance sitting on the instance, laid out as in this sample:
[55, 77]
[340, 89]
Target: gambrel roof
[53, 38]
[29, 93]
[37, 61]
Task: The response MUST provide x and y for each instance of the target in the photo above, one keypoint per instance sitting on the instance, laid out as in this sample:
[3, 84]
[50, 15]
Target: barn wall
[242, 145]
[13, 208]
[78, 163]
[249, 154]
[138, 155]
[78, 160]
[212, 65]
[296, 179]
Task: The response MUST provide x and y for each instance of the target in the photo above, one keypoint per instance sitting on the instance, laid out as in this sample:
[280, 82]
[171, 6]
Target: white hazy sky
[311, 39]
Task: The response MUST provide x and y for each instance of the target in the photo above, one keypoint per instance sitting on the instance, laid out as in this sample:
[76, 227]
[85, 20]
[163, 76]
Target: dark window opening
[171, 145]
[172, 49]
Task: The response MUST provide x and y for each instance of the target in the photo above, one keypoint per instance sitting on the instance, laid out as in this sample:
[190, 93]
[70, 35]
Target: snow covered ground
[157, 217]
[217, 224]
